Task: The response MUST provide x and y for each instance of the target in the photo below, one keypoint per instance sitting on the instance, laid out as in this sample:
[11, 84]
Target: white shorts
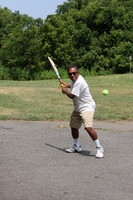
[78, 118]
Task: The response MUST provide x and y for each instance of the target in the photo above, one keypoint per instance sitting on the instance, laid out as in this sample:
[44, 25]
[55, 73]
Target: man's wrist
[66, 91]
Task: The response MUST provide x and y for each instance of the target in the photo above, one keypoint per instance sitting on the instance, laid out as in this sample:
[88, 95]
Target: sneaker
[74, 149]
[100, 152]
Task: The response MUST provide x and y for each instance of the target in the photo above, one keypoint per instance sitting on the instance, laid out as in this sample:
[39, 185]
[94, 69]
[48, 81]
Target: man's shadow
[83, 152]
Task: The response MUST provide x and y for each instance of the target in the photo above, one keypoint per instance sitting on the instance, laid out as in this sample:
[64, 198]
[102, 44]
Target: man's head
[73, 72]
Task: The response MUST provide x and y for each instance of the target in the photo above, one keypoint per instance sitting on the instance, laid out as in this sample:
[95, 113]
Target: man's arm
[67, 85]
[69, 94]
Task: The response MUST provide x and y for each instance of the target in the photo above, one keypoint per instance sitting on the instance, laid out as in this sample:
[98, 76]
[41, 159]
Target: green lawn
[43, 100]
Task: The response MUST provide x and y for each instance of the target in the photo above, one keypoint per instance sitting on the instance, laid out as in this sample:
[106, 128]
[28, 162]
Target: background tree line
[97, 35]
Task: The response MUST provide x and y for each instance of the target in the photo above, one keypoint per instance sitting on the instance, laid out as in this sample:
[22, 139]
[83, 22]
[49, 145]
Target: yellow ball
[105, 92]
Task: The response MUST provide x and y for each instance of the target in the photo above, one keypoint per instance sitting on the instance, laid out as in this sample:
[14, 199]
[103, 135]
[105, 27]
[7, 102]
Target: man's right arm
[67, 85]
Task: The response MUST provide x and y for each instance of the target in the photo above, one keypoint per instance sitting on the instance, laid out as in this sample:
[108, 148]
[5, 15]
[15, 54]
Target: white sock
[97, 143]
[76, 142]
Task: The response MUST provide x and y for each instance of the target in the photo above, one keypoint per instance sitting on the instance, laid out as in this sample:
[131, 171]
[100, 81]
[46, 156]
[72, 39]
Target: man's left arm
[69, 94]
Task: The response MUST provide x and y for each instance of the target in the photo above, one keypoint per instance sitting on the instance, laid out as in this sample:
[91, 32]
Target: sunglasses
[73, 73]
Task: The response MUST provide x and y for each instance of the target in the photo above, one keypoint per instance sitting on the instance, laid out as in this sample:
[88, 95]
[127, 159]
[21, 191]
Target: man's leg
[75, 133]
[75, 124]
[76, 147]
[92, 133]
[94, 137]
[88, 121]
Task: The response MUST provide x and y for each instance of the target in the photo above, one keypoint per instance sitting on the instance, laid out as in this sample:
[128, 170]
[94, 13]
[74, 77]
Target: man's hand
[62, 84]
[64, 90]
[69, 94]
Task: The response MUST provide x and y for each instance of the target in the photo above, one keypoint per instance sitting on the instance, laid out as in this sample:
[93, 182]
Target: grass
[43, 100]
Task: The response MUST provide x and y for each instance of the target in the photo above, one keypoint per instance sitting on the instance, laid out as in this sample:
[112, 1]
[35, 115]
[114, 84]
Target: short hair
[72, 66]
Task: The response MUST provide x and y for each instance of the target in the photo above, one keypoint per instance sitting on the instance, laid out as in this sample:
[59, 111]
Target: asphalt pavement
[35, 166]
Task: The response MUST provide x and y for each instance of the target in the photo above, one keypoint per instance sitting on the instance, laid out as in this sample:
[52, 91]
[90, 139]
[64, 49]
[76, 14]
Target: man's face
[73, 74]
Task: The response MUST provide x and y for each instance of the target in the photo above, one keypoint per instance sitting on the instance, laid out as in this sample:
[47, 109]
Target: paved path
[35, 166]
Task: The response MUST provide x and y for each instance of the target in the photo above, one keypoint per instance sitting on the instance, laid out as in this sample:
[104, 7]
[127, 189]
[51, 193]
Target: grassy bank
[43, 100]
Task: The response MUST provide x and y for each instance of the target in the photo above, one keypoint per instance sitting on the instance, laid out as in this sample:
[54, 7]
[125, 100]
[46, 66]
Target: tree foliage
[94, 34]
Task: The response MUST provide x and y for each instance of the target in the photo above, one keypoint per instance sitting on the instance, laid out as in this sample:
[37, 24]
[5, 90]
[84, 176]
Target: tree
[21, 46]
[95, 34]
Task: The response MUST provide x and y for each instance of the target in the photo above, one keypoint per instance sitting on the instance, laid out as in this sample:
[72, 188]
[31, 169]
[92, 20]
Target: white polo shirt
[83, 100]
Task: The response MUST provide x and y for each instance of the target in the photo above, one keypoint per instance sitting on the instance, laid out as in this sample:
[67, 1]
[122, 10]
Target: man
[84, 107]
